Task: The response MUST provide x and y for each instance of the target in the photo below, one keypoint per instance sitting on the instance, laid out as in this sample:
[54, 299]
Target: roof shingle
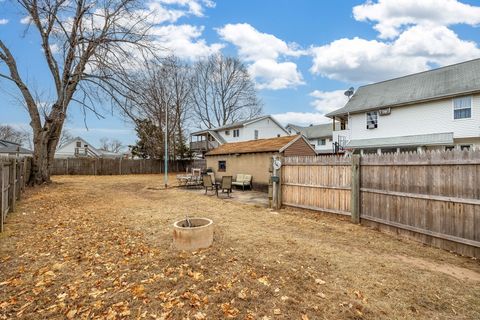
[457, 79]
[252, 146]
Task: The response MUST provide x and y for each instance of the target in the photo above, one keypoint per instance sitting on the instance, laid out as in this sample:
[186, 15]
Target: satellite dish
[349, 92]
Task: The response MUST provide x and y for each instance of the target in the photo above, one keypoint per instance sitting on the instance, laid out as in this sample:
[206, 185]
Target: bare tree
[111, 145]
[161, 92]
[65, 137]
[92, 38]
[222, 92]
[11, 134]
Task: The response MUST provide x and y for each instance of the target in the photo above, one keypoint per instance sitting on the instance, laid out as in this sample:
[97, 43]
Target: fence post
[2, 196]
[279, 188]
[13, 185]
[355, 189]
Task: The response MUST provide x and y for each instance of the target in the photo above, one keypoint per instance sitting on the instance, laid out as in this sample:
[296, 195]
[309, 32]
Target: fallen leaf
[264, 280]
[200, 316]
[229, 311]
[319, 281]
[71, 314]
[243, 294]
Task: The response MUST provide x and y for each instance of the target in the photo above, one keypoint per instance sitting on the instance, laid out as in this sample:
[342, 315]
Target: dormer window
[227, 132]
[372, 120]
[462, 107]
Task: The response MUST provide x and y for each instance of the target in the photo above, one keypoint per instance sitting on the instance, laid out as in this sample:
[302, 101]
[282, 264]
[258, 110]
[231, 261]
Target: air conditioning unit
[371, 126]
[385, 112]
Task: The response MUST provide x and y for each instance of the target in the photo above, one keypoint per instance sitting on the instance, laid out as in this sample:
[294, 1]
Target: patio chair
[212, 175]
[243, 180]
[207, 183]
[226, 185]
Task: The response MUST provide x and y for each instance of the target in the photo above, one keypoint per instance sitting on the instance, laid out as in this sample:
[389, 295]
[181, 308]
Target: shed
[254, 157]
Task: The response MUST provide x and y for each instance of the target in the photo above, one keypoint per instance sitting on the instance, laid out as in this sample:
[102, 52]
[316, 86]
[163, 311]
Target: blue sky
[302, 54]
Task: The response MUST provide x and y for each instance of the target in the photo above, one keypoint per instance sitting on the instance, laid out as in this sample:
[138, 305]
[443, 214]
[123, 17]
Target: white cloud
[416, 49]
[301, 118]
[270, 74]
[184, 41]
[390, 16]
[327, 101]
[26, 20]
[266, 55]
[195, 7]
[255, 45]
[3, 21]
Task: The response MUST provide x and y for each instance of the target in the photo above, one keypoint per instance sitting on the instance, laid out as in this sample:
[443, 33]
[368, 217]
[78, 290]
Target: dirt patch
[100, 248]
[451, 270]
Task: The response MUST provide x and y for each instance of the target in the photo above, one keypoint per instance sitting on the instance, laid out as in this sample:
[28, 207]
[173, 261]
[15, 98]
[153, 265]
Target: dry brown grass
[100, 247]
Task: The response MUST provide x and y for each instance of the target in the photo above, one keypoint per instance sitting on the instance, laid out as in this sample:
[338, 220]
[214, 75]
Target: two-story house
[319, 136]
[79, 148]
[436, 109]
[263, 127]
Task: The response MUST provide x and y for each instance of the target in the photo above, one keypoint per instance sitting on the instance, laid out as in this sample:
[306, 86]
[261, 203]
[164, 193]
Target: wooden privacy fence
[433, 197]
[317, 183]
[105, 166]
[13, 178]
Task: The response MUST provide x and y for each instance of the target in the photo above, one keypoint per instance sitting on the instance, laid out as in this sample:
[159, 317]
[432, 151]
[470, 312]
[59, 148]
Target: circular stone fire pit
[198, 235]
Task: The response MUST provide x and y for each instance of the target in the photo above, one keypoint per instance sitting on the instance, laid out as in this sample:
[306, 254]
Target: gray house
[319, 136]
[8, 148]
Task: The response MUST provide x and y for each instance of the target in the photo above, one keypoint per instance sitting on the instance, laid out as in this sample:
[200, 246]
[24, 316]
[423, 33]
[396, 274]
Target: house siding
[299, 148]
[266, 129]
[256, 164]
[328, 143]
[422, 118]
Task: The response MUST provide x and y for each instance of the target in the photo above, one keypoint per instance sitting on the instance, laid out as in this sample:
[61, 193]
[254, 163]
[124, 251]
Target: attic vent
[385, 112]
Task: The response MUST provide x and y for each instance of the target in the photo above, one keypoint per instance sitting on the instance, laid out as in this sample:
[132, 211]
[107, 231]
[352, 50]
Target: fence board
[13, 175]
[106, 166]
[433, 197]
[317, 183]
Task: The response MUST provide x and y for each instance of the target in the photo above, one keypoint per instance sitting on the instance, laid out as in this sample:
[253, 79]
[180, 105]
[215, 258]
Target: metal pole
[165, 155]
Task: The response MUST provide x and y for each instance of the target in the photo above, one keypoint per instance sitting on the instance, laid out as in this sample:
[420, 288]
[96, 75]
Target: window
[227, 132]
[465, 147]
[322, 142]
[222, 166]
[79, 144]
[278, 135]
[256, 134]
[236, 133]
[462, 107]
[372, 120]
[449, 148]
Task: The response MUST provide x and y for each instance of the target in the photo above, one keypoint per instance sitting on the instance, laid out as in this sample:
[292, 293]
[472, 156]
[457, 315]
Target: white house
[436, 109]
[319, 136]
[263, 127]
[78, 147]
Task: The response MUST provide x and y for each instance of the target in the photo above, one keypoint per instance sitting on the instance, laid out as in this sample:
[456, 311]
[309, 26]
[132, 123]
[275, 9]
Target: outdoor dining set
[208, 182]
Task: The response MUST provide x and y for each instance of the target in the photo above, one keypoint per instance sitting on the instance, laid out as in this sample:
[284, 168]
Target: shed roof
[453, 80]
[253, 146]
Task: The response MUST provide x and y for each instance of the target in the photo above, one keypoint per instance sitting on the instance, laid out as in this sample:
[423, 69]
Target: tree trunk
[45, 143]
